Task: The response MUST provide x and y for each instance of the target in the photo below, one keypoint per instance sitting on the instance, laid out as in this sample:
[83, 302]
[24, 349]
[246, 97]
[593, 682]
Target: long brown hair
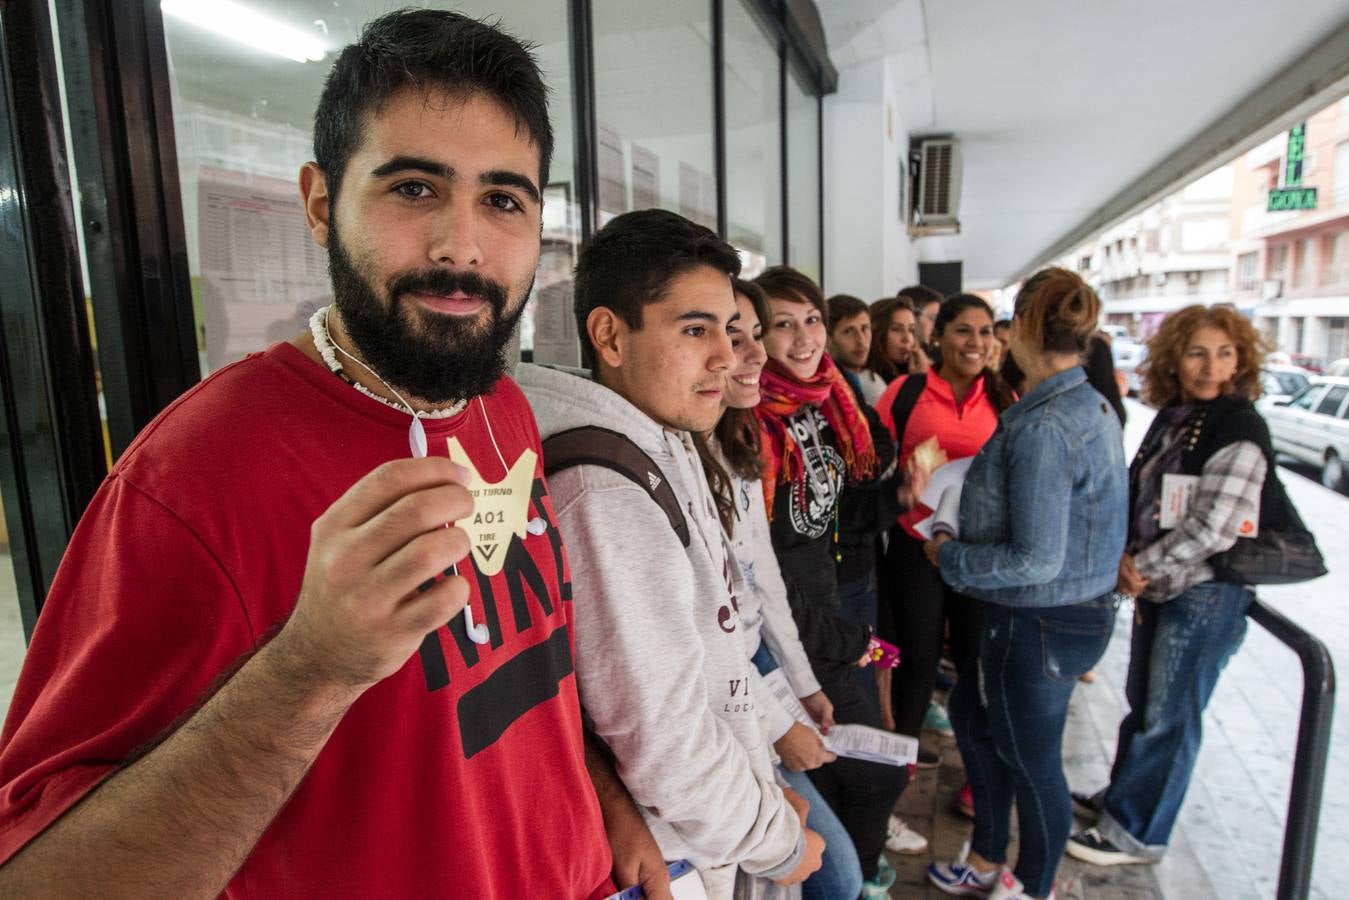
[1161, 370]
[1058, 311]
[736, 432]
[882, 311]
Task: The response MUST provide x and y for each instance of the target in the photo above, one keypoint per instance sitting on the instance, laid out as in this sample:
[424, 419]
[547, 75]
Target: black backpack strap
[590, 445]
[905, 400]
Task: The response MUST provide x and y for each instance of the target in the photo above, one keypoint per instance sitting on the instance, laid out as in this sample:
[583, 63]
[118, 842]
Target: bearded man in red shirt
[312, 637]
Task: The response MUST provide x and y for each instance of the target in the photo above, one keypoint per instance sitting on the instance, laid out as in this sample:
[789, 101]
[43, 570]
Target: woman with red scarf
[821, 477]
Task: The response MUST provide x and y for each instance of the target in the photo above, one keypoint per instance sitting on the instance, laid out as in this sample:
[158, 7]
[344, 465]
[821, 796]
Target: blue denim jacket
[1044, 511]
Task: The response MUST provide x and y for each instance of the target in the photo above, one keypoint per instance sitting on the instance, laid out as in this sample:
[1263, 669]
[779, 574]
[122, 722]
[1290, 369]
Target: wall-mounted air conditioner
[1271, 289]
[936, 197]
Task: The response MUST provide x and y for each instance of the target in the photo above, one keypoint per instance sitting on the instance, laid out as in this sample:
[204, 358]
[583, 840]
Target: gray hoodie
[661, 665]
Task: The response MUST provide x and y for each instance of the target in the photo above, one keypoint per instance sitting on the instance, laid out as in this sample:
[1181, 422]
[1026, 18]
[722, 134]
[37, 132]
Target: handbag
[1286, 555]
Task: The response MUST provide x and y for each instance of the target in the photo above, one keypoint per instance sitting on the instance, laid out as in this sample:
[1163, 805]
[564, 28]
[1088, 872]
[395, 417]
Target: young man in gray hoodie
[663, 671]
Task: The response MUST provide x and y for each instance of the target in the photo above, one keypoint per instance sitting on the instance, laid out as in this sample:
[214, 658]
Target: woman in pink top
[958, 405]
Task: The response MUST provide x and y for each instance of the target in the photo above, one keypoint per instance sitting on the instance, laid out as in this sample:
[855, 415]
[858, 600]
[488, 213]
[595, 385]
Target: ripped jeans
[1009, 727]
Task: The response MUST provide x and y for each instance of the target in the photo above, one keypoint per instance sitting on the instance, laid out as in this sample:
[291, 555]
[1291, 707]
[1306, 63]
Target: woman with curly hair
[1203, 372]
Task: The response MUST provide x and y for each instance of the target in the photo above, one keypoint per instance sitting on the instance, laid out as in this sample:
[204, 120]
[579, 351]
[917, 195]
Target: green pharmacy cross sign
[1293, 196]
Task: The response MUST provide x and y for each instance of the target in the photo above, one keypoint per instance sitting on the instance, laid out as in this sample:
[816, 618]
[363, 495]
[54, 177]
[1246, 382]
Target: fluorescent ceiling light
[242, 24]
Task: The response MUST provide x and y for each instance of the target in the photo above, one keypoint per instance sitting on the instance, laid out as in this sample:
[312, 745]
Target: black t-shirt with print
[803, 532]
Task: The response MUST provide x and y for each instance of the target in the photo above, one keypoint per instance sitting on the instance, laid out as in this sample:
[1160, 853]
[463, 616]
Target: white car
[1313, 426]
[1128, 357]
[1282, 382]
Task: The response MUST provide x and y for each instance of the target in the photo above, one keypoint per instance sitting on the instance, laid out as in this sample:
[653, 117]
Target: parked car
[1313, 364]
[1282, 382]
[1339, 368]
[1313, 426]
[1128, 357]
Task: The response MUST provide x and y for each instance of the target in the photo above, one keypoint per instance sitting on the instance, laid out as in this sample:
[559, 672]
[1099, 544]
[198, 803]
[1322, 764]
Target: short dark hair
[1002, 323]
[630, 263]
[844, 306]
[921, 295]
[426, 49]
[787, 283]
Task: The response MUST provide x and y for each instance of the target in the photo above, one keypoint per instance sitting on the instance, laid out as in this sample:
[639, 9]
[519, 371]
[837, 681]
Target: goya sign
[1282, 199]
[1293, 196]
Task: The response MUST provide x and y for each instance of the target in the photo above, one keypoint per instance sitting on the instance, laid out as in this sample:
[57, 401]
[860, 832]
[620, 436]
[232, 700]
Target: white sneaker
[1009, 887]
[901, 839]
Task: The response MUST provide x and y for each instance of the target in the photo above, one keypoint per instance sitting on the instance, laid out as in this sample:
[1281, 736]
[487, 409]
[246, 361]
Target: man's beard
[443, 358]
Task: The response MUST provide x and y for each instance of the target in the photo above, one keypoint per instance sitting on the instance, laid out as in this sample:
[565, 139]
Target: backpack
[591, 445]
[905, 400]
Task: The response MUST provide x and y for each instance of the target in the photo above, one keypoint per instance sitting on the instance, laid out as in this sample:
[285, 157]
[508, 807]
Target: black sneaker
[1089, 846]
[1086, 806]
[928, 759]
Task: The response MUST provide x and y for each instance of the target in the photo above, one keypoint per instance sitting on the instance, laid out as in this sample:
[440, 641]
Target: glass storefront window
[243, 106]
[654, 108]
[753, 139]
[803, 177]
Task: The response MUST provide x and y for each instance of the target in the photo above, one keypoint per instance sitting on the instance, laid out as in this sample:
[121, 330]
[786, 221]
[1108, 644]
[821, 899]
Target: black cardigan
[1217, 424]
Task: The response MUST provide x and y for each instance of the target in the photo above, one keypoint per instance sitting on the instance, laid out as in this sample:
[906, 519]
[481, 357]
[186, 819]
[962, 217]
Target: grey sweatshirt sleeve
[639, 665]
[779, 628]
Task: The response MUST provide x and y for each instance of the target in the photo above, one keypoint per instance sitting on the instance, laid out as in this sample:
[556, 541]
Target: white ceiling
[1061, 105]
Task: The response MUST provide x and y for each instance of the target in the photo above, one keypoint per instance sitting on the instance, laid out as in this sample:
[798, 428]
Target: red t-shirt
[961, 429]
[462, 775]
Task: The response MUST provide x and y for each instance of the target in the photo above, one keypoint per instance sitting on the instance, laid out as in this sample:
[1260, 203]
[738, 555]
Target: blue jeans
[857, 603]
[840, 874]
[1009, 728]
[1178, 650]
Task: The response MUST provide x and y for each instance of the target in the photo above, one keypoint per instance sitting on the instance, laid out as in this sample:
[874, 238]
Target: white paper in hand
[953, 473]
[853, 741]
[947, 516]
[872, 744]
[777, 685]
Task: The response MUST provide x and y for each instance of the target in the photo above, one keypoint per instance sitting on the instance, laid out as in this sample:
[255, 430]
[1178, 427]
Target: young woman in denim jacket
[1042, 524]
[1202, 374]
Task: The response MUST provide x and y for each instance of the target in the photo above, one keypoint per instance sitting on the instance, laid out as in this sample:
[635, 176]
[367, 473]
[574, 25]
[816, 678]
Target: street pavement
[1228, 841]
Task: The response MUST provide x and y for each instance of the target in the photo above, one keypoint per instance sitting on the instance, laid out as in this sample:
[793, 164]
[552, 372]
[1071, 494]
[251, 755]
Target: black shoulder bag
[1284, 555]
[1284, 551]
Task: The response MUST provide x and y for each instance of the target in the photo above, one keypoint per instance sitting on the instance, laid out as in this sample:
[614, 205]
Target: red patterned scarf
[783, 396]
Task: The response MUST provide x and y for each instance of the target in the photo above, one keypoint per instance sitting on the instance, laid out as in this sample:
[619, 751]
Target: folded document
[853, 741]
